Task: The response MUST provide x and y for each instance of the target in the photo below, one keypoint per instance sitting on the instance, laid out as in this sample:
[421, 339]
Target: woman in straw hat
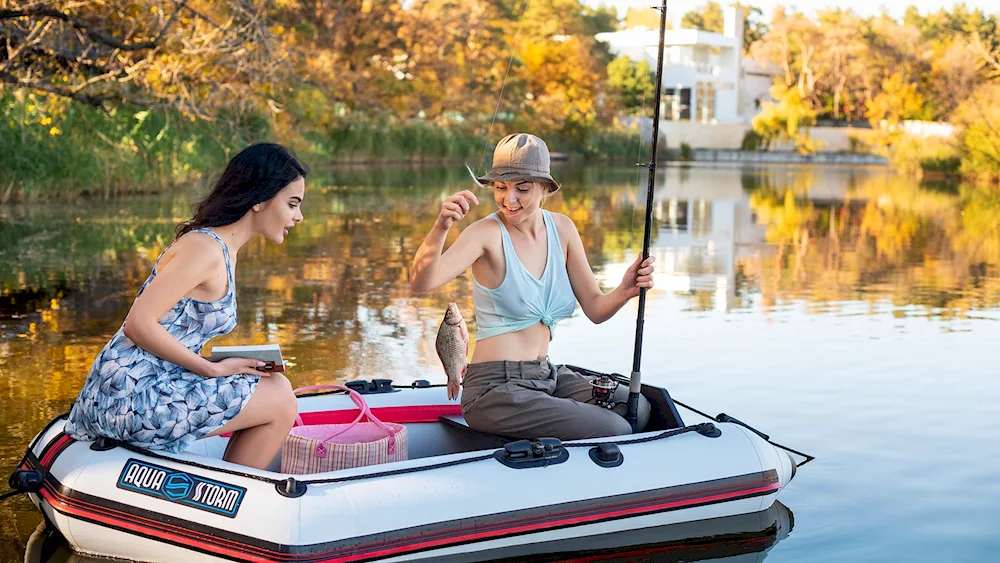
[530, 270]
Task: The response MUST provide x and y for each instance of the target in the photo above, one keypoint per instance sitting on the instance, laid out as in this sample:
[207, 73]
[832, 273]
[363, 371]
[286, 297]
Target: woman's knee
[284, 405]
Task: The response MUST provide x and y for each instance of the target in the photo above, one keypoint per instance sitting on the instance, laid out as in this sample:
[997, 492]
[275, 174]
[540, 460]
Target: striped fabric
[303, 454]
[319, 448]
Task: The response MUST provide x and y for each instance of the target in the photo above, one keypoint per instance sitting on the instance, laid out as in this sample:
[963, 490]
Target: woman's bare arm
[432, 266]
[597, 305]
[194, 262]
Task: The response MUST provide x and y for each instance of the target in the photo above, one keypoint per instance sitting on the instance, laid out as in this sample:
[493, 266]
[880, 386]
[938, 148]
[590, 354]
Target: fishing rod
[635, 383]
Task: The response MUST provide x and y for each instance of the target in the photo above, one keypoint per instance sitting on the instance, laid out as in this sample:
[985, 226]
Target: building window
[705, 102]
[676, 104]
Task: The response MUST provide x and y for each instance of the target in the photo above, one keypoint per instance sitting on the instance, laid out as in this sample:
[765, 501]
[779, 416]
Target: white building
[705, 77]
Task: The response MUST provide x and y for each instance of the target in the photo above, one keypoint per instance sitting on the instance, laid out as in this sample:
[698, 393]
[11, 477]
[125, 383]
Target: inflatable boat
[745, 538]
[460, 495]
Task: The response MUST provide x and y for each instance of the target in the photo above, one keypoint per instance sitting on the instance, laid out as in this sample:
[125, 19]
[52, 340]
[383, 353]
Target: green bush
[913, 155]
[979, 139]
[54, 148]
[51, 147]
[752, 141]
[950, 165]
[687, 153]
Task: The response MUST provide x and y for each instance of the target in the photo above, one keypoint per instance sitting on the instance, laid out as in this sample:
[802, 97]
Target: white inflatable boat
[461, 495]
[744, 538]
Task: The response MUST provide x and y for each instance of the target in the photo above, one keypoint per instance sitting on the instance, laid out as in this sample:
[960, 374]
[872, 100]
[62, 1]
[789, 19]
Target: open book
[269, 353]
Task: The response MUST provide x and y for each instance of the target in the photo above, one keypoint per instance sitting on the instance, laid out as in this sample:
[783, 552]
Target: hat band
[518, 170]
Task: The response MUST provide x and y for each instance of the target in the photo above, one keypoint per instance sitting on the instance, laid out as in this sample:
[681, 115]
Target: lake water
[849, 313]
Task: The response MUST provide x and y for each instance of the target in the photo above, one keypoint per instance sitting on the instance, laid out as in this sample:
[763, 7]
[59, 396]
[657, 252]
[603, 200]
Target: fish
[452, 347]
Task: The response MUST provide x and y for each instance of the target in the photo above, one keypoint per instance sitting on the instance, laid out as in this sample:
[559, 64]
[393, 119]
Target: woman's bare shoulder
[194, 248]
[485, 227]
[564, 224]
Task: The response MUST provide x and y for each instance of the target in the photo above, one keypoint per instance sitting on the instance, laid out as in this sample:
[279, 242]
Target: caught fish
[453, 348]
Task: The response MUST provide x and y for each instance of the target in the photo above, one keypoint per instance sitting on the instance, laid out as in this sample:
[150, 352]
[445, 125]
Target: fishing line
[496, 111]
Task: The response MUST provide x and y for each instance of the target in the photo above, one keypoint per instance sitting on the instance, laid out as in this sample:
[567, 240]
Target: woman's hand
[235, 366]
[455, 208]
[637, 276]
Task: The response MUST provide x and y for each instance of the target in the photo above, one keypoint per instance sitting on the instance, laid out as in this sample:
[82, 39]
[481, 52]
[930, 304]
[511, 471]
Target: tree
[194, 55]
[955, 74]
[979, 140]
[350, 49]
[642, 17]
[897, 101]
[601, 19]
[785, 120]
[754, 29]
[562, 68]
[631, 82]
[988, 55]
[841, 58]
[563, 85]
[708, 18]
[711, 18]
[457, 55]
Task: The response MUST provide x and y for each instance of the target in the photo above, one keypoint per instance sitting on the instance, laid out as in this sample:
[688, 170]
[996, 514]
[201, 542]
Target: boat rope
[661, 436]
[723, 417]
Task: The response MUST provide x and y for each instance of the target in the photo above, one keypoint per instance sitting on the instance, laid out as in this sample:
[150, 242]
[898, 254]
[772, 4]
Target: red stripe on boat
[245, 552]
[551, 524]
[55, 449]
[410, 414]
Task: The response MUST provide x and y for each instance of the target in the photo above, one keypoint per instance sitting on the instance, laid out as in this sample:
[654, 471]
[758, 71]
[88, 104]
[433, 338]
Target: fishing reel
[603, 391]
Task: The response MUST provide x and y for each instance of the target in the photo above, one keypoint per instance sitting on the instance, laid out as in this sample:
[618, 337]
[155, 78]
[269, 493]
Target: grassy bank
[52, 148]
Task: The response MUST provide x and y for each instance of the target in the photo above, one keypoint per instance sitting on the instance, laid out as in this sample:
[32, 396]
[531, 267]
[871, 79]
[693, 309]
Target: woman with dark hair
[149, 386]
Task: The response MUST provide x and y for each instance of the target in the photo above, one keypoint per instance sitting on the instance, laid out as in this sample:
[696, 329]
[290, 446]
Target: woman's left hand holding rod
[637, 276]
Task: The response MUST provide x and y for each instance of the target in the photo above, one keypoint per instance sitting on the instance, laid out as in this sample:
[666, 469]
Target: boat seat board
[457, 422]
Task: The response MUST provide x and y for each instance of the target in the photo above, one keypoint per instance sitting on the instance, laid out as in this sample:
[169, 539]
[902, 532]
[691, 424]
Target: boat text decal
[181, 488]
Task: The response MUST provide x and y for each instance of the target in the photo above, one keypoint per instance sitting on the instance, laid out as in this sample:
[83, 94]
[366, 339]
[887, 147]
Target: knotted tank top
[521, 300]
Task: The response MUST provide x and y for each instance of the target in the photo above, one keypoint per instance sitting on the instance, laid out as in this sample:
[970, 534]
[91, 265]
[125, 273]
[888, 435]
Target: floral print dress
[137, 398]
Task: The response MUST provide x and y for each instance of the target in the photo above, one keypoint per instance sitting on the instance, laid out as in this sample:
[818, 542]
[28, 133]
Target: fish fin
[474, 178]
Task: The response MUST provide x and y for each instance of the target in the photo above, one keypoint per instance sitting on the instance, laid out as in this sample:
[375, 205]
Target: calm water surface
[849, 313]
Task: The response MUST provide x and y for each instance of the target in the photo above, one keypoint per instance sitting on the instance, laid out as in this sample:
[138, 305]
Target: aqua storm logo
[181, 488]
[177, 486]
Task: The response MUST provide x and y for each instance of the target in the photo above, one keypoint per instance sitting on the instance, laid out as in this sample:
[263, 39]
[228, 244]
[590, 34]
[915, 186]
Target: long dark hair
[253, 176]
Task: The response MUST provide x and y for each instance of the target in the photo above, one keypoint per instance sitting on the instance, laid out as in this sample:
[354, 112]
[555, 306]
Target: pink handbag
[319, 448]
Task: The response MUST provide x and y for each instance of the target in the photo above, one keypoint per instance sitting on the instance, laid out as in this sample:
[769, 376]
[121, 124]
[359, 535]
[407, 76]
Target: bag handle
[360, 402]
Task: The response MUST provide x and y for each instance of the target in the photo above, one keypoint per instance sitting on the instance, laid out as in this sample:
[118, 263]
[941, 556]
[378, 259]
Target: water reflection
[745, 538]
[748, 242]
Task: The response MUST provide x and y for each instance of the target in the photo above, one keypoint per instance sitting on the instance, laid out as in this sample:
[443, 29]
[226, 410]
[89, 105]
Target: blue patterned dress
[135, 397]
